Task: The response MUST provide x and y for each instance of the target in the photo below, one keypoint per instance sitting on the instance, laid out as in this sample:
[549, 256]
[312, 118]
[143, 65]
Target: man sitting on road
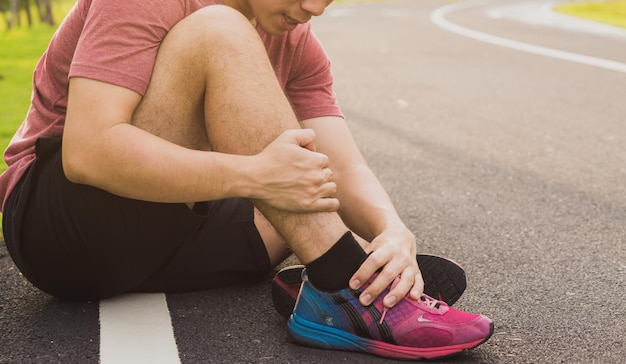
[179, 145]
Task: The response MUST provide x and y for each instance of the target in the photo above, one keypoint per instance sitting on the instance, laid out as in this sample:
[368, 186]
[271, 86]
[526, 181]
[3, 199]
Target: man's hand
[394, 251]
[290, 175]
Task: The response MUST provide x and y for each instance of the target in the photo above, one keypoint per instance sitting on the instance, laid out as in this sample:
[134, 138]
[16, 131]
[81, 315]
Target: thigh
[213, 87]
[227, 249]
[173, 105]
[78, 242]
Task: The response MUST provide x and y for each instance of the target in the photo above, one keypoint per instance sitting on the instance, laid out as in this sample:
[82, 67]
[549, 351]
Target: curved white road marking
[136, 328]
[541, 13]
[438, 17]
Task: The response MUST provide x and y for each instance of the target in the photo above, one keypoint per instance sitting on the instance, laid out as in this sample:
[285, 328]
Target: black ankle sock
[333, 270]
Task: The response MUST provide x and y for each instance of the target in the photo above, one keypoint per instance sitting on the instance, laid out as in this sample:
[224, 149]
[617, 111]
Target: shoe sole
[444, 280]
[315, 335]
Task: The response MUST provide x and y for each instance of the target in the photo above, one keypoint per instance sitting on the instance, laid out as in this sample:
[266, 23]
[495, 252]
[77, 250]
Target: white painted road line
[137, 328]
[541, 13]
[438, 17]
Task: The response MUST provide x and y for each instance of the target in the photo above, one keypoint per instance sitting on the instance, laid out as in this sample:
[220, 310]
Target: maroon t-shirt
[116, 41]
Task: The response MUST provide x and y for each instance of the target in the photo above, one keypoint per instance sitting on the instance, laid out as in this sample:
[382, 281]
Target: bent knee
[215, 27]
[215, 21]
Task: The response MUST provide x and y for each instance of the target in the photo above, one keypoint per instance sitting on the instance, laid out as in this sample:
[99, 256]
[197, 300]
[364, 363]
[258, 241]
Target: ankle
[333, 270]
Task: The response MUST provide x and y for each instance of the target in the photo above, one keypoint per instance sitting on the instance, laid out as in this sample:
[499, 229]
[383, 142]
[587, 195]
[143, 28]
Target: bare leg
[277, 248]
[214, 88]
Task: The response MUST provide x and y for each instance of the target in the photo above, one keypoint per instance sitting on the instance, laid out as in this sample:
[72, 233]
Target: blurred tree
[44, 7]
[11, 12]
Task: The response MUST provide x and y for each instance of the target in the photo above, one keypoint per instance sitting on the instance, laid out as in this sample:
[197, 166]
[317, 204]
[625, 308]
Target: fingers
[327, 175]
[399, 288]
[296, 178]
[402, 277]
[400, 285]
[303, 137]
[328, 204]
[306, 138]
[323, 200]
[408, 282]
[418, 287]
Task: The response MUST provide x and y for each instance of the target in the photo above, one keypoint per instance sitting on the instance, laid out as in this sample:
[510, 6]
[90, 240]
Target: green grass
[610, 12]
[20, 49]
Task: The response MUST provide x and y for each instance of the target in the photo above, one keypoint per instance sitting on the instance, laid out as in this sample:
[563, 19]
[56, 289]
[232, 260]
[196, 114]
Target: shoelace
[382, 318]
[385, 309]
[427, 300]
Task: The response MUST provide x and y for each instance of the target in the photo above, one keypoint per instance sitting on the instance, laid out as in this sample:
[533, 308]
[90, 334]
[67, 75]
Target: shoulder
[135, 12]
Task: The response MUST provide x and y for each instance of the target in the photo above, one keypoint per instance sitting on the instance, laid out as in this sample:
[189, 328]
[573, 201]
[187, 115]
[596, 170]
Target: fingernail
[390, 300]
[365, 299]
[355, 283]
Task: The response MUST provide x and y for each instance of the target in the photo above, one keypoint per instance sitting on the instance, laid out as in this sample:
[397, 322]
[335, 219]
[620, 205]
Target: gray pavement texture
[512, 164]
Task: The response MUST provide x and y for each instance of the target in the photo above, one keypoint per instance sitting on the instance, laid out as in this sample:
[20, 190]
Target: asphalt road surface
[500, 153]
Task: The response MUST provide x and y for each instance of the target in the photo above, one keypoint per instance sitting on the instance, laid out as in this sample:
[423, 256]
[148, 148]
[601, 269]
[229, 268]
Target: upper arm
[309, 84]
[334, 139]
[93, 108]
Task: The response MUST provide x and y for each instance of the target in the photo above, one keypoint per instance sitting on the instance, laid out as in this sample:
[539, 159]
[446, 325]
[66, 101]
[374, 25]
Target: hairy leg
[213, 88]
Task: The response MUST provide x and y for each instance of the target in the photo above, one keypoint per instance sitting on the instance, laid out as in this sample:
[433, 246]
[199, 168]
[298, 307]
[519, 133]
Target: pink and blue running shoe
[413, 329]
[444, 280]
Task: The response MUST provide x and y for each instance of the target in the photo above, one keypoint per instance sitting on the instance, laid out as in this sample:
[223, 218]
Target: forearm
[365, 206]
[392, 245]
[368, 211]
[130, 162]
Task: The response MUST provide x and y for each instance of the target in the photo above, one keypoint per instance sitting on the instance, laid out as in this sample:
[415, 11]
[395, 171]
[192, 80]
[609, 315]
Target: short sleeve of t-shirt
[113, 48]
[304, 71]
[311, 90]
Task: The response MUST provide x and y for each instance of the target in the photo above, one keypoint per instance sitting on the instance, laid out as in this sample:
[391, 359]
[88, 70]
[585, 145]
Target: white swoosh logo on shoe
[422, 319]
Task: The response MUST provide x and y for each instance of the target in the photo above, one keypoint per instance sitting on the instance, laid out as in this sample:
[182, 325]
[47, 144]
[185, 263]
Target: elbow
[74, 166]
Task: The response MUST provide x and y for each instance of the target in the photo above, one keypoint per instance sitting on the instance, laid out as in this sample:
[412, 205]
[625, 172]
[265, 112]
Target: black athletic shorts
[79, 242]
